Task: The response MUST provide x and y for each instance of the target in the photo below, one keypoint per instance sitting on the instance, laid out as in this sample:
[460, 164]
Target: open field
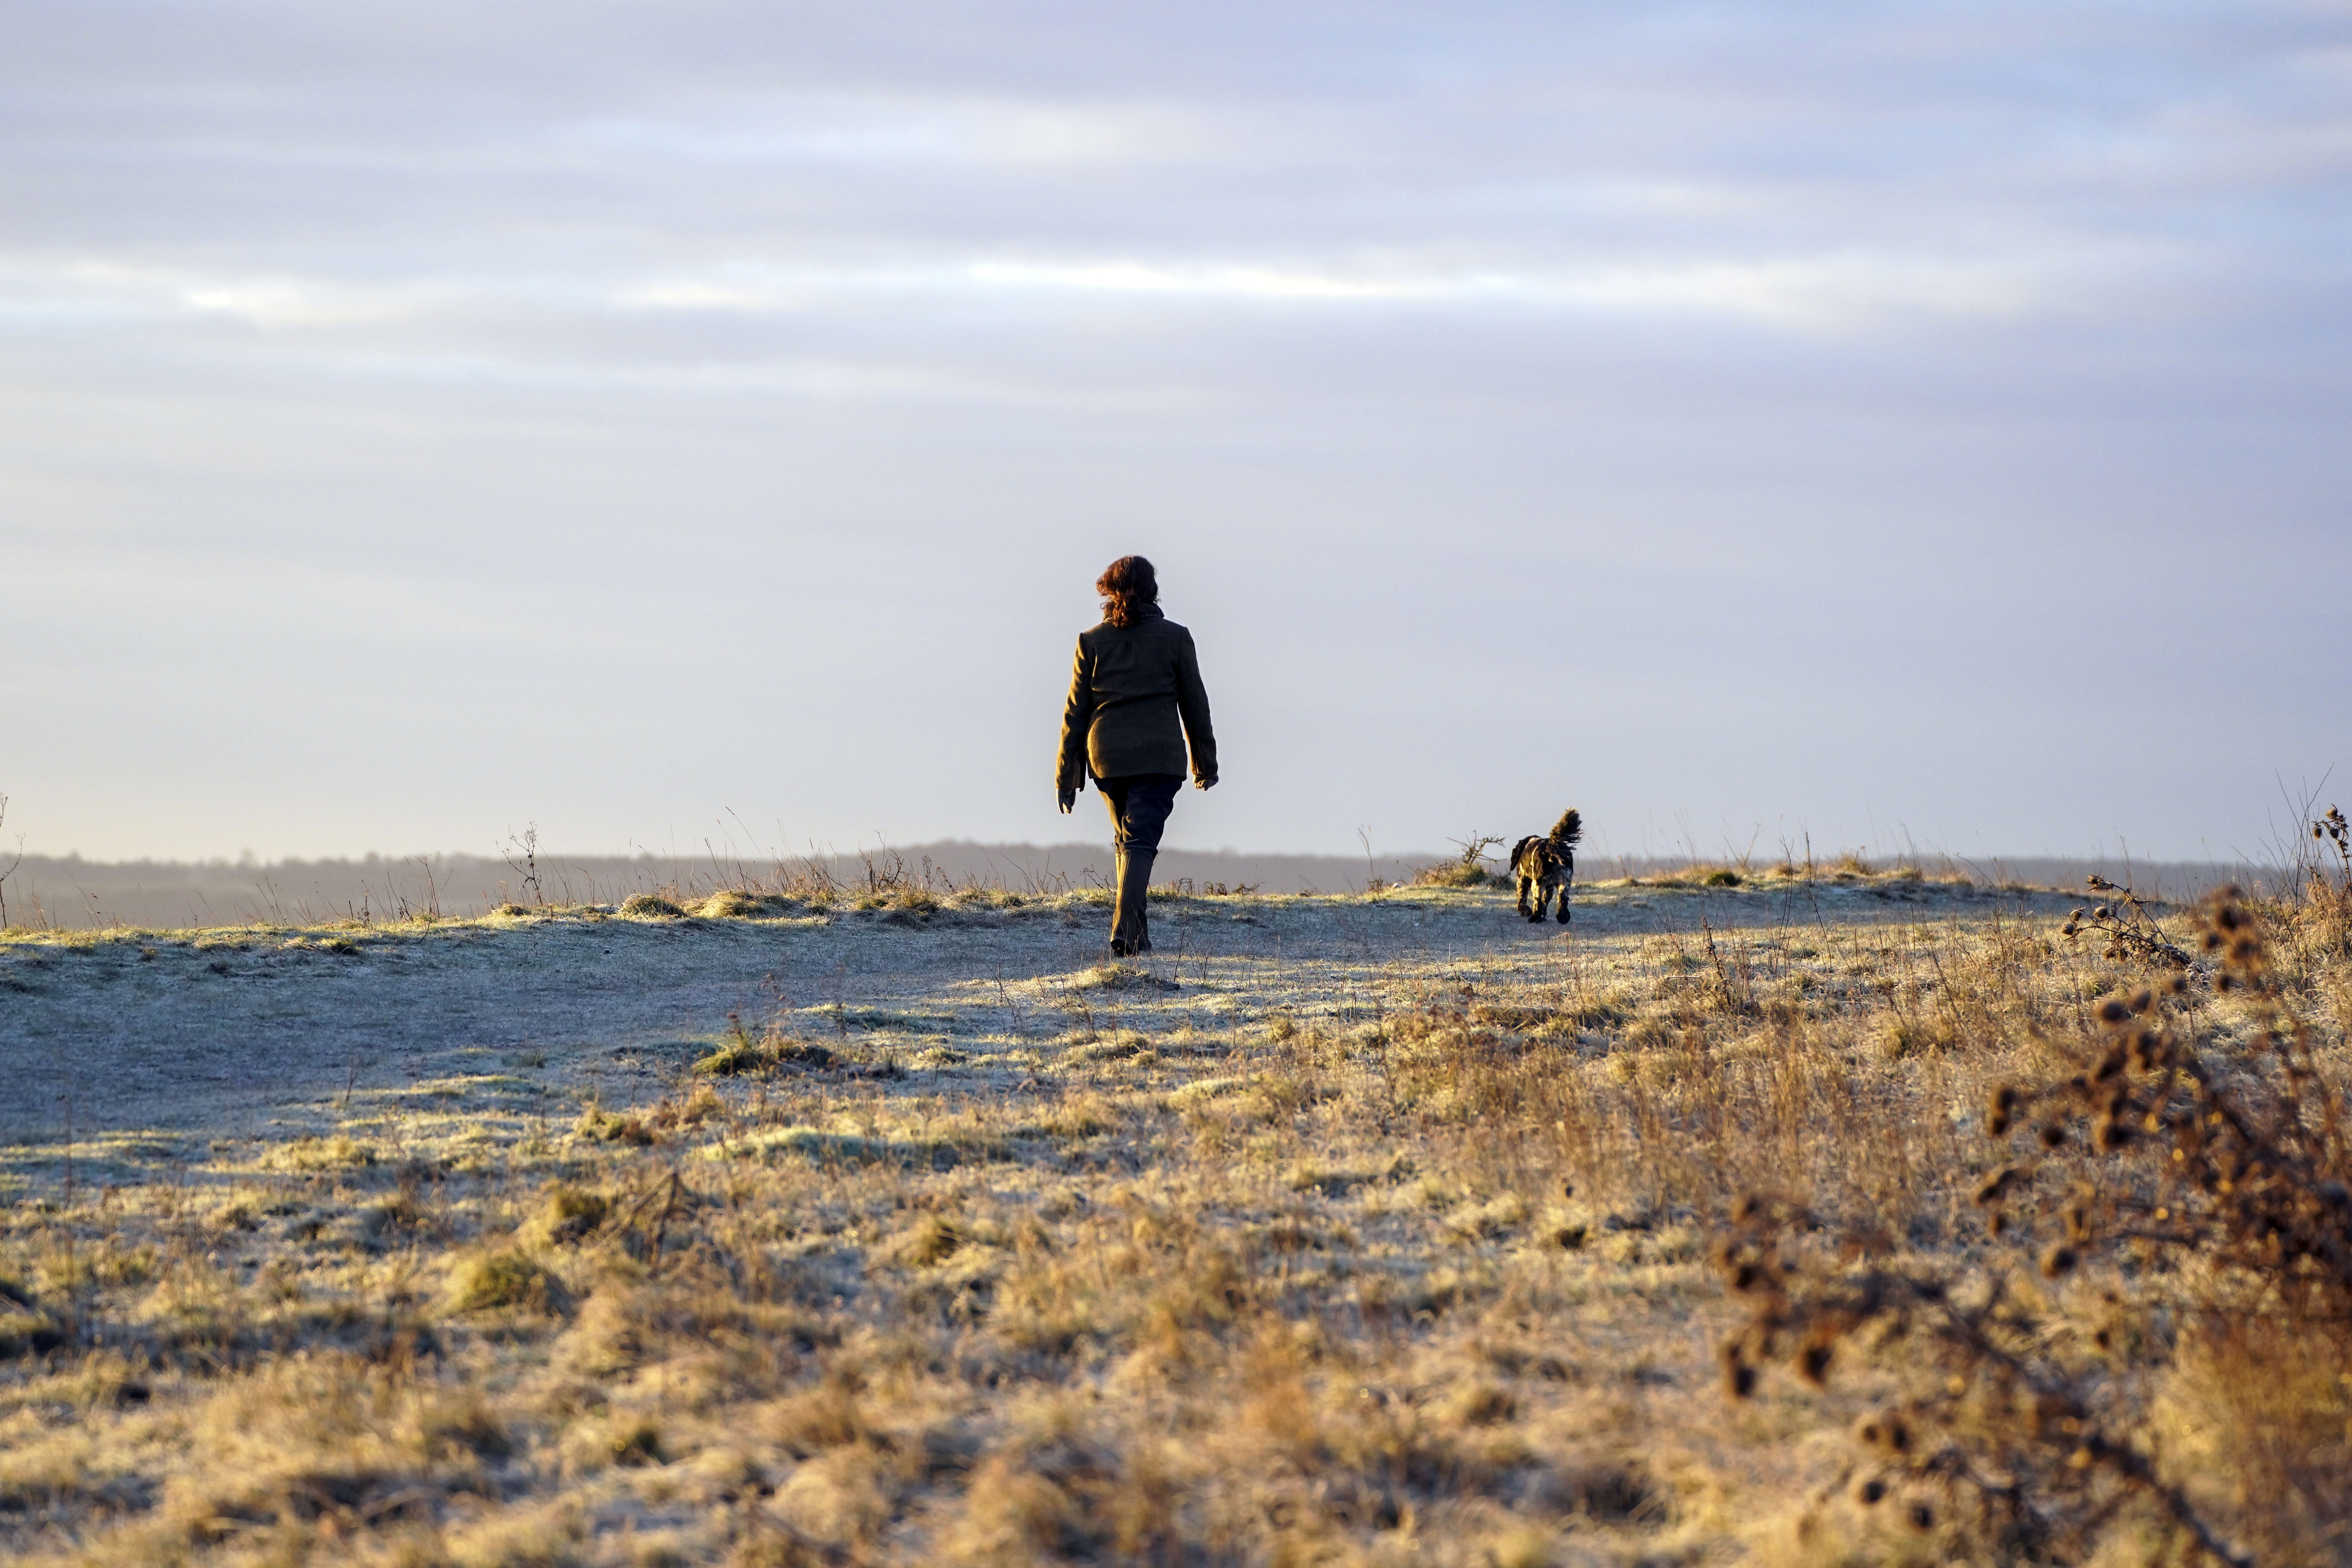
[53, 892]
[1377, 1228]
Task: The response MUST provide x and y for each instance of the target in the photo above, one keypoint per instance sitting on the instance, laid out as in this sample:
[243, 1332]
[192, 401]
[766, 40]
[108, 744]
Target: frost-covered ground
[1368, 1229]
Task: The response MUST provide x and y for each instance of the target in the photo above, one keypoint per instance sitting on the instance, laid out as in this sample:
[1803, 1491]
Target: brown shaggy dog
[1548, 865]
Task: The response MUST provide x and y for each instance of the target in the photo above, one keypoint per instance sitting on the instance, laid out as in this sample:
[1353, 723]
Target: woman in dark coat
[1136, 701]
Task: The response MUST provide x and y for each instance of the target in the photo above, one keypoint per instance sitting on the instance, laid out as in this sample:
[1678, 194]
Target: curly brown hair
[1127, 585]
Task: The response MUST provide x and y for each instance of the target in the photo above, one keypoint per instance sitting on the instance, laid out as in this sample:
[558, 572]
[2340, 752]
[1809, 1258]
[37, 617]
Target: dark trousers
[1140, 805]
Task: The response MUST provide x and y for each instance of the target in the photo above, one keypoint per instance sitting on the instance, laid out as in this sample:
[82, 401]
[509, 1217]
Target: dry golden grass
[1428, 1281]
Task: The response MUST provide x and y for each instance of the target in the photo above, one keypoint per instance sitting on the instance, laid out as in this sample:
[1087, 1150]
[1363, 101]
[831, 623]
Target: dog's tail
[1569, 828]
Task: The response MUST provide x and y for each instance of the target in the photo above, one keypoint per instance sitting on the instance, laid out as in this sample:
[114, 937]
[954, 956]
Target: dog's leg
[1525, 913]
[1565, 884]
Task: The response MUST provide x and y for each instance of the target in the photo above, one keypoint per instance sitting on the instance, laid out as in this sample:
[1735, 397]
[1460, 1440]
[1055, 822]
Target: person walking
[1136, 702]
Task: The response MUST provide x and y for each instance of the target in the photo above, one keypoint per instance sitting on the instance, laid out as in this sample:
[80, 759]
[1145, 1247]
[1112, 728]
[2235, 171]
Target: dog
[1547, 865]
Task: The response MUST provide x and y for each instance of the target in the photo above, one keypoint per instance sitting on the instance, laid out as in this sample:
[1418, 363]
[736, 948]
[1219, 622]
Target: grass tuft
[1120, 977]
[500, 1276]
[650, 907]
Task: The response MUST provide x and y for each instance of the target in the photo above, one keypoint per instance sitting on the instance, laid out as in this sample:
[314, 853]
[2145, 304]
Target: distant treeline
[48, 891]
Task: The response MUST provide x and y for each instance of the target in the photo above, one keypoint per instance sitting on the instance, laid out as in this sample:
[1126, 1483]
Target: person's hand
[1069, 797]
[1209, 783]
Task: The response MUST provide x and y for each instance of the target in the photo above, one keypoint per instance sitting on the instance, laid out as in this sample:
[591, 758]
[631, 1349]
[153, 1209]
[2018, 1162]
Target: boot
[1131, 932]
[1117, 920]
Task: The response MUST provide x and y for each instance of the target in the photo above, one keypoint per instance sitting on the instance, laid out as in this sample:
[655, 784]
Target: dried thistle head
[2231, 930]
[1738, 1371]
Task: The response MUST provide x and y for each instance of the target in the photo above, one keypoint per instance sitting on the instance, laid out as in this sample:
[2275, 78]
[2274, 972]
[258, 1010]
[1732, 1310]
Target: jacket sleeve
[1078, 718]
[1193, 707]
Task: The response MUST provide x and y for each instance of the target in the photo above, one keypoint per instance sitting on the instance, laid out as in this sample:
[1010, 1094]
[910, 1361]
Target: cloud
[1832, 366]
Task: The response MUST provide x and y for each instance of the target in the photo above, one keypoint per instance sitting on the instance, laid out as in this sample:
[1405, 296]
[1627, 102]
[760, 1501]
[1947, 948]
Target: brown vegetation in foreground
[1441, 1283]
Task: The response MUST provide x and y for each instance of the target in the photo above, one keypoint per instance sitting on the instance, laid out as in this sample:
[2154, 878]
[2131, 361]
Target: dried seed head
[1870, 1491]
[2058, 1261]
[2052, 1135]
[2113, 1012]
[1813, 1362]
[1922, 1517]
[1738, 1377]
[2141, 1000]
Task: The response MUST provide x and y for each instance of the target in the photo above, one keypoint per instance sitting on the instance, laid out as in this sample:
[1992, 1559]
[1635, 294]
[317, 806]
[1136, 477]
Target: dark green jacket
[1136, 698]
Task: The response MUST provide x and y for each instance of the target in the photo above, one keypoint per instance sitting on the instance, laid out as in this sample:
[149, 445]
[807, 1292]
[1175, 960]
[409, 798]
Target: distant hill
[72, 893]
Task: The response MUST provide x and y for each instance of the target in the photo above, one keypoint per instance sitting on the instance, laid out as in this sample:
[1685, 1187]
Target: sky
[1884, 423]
